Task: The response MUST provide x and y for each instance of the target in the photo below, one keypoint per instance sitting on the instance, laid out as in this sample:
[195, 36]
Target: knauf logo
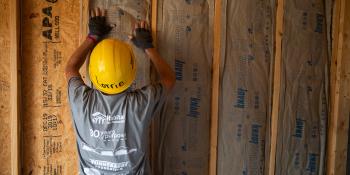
[257, 102]
[255, 134]
[247, 58]
[299, 128]
[179, 67]
[100, 118]
[319, 23]
[312, 163]
[195, 72]
[177, 105]
[239, 132]
[240, 100]
[194, 107]
[297, 160]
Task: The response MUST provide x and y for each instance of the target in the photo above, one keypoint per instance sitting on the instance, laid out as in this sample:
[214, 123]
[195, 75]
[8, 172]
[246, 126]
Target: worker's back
[111, 122]
[112, 129]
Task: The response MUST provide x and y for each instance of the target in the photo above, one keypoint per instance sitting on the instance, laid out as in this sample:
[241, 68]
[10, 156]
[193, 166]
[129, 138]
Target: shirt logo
[99, 118]
[112, 135]
[121, 151]
[111, 166]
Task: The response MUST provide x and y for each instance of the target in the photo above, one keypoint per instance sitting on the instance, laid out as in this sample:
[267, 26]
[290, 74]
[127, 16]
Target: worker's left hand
[97, 24]
[142, 36]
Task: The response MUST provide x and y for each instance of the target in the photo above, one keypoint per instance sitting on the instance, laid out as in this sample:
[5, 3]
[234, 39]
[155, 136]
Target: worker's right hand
[97, 24]
[142, 37]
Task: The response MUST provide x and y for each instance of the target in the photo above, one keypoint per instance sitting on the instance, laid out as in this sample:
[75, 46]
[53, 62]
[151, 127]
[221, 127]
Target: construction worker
[110, 120]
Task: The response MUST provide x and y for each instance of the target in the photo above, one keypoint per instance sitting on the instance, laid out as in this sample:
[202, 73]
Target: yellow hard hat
[112, 67]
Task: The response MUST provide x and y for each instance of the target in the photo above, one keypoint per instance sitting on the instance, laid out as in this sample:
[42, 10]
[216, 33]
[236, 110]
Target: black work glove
[98, 26]
[143, 38]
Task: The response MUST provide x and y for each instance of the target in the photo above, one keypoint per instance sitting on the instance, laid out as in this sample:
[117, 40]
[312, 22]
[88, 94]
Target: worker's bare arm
[97, 28]
[166, 74]
[142, 38]
[78, 59]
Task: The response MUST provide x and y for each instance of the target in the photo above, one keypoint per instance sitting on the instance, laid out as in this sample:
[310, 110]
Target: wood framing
[276, 86]
[154, 8]
[338, 127]
[15, 86]
[215, 89]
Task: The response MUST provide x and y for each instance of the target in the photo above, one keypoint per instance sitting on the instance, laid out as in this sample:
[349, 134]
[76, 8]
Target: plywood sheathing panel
[184, 39]
[245, 71]
[122, 15]
[301, 135]
[5, 106]
[50, 33]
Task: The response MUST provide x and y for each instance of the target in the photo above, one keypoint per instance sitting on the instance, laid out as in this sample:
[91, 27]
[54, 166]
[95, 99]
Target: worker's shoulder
[149, 88]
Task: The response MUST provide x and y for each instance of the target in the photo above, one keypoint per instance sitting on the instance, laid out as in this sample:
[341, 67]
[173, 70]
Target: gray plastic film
[184, 40]
[303, 112]
[245, 85]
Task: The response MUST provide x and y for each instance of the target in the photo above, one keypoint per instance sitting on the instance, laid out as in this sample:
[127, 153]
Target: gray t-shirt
[111, 130]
